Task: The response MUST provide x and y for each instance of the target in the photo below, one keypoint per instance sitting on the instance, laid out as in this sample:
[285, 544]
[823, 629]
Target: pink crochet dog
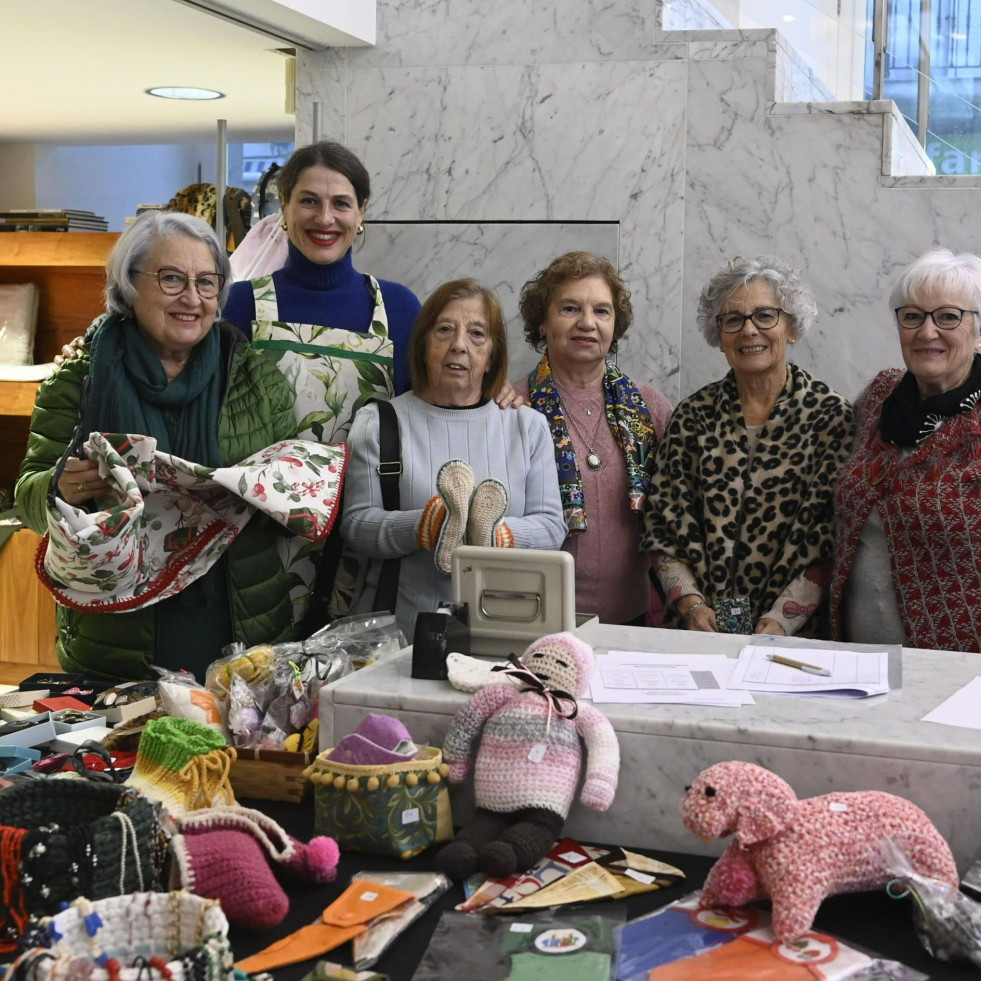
[796, 852]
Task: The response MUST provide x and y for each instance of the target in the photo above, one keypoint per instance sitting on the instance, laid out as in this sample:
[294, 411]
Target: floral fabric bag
[166, 521]
[395, 809]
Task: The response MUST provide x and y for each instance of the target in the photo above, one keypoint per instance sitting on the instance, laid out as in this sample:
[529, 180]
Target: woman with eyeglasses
[159, 363]
[739, 514]
[908, 503]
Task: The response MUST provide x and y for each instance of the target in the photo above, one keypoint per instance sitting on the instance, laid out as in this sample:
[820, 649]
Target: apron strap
[264, 294]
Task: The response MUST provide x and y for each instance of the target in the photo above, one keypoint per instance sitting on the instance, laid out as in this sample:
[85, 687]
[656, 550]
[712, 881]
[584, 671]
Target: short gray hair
[944, 272]
[136, 243]
[794, 297]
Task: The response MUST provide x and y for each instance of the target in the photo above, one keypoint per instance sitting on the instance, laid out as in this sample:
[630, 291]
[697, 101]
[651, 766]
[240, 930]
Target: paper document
[963, 708]
[852, 674]
[685, 679]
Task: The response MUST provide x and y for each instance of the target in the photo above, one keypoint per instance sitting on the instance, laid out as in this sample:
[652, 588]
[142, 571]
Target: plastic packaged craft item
[184, 698]
[361, 639]
[563, 945]
[947, 922]
[427, 887]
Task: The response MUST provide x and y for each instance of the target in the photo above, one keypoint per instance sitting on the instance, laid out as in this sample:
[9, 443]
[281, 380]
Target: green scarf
[129, 391]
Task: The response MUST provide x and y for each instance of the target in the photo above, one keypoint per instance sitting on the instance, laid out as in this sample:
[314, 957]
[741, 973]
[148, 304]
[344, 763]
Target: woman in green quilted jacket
[160, 363]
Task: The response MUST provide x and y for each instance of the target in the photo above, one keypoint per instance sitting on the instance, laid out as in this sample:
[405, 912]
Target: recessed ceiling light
[184, 92]
[789, 18]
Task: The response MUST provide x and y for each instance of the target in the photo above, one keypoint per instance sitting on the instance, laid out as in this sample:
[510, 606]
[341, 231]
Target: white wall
[113, 180]
[17, 176]
[829, 36]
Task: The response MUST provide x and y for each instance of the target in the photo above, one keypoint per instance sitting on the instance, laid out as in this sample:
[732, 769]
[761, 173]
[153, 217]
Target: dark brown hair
[537, 293]
[460, 289]
[328, 154]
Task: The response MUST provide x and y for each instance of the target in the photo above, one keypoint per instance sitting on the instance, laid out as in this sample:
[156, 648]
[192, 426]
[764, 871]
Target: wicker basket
[271, 774]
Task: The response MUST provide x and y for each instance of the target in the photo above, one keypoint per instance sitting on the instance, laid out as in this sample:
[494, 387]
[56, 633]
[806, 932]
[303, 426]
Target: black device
[435, 636]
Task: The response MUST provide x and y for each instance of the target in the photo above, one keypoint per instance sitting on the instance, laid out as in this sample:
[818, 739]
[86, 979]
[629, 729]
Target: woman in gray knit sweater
[471, 472]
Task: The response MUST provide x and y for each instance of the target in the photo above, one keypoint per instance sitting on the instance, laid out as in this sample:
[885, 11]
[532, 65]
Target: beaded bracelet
[691, 609]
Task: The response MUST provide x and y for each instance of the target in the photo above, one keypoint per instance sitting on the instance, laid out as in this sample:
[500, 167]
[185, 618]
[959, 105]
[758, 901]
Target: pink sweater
[508, 775]
[611, 571]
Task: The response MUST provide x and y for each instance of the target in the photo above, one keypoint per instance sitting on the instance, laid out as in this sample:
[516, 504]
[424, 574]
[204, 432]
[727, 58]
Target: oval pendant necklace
[593, 460]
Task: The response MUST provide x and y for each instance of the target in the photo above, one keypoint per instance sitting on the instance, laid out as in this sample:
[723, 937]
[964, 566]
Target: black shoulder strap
[389, 473]
[386, 595]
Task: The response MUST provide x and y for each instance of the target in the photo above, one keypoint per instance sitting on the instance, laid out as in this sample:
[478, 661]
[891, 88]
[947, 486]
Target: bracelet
[691, 609]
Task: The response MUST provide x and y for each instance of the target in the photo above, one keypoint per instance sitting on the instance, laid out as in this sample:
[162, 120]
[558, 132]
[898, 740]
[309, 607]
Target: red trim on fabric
[204, 539]
[340, 490]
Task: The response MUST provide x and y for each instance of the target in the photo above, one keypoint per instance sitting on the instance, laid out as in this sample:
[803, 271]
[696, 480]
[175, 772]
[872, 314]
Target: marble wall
[499, 136]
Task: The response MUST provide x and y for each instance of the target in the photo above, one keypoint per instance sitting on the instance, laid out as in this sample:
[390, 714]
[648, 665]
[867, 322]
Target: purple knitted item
[231, 866]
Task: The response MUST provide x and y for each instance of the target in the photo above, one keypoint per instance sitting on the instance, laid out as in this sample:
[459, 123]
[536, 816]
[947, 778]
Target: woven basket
[77, 836]
[271, 774]
[395, 809]
[187, 933]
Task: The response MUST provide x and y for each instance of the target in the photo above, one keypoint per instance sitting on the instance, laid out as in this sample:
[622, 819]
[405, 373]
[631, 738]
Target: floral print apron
[333, 373]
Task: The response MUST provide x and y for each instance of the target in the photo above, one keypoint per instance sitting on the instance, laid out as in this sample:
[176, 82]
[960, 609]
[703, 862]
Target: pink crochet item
[234, 854]
[797, 852]
[525, 743]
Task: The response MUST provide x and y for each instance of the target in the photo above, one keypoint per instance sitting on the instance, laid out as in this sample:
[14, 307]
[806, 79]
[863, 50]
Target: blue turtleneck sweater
[333, 295]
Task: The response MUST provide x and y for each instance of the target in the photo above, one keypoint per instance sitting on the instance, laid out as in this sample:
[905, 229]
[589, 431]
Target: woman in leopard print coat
[739, 514]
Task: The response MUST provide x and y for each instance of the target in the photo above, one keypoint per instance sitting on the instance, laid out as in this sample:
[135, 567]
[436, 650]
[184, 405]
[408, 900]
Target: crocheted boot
[313, 862]
[183, 764]
[233, 854]
[230, 866]
[487, 507]
[444, 519]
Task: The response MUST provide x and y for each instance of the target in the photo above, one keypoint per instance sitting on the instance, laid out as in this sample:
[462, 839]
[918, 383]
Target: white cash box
[514, 596]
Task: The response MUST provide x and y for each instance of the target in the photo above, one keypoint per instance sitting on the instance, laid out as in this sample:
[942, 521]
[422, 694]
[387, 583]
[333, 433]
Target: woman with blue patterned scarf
[604, 427]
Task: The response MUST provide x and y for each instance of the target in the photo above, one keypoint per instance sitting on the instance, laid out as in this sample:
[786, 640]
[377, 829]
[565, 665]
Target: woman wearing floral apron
[339, 337]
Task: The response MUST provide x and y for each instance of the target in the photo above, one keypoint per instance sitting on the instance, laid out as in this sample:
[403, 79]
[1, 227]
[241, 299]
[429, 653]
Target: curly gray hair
[794, 297]
[136, 243]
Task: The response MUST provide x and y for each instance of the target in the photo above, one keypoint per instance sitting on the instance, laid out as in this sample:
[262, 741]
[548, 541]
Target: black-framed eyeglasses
[765, 318]
[946, 318]
[173, 282]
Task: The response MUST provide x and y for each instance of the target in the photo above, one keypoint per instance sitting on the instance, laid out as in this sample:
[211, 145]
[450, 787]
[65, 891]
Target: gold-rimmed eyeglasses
[173, 282]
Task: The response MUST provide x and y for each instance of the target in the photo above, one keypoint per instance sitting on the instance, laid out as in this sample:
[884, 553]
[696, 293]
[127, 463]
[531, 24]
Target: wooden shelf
[17, 398]
[56, 248]
[68, 269]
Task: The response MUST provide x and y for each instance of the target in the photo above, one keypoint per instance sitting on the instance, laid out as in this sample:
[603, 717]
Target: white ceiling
[74, 71]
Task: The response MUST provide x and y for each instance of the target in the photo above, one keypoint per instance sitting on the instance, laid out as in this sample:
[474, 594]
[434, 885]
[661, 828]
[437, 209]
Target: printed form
[850, 673]
[685, 679]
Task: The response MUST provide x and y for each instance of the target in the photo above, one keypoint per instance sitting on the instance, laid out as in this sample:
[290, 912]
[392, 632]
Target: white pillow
[18, 321]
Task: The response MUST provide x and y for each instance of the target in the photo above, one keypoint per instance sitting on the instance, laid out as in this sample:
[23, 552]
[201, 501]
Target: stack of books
[141, 209]
[51, 220]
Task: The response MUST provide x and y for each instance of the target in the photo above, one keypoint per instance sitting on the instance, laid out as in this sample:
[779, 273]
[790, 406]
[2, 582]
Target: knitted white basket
[186, 935]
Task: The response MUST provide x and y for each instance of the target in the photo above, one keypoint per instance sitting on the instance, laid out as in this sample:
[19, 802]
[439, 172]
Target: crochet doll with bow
[529, 759]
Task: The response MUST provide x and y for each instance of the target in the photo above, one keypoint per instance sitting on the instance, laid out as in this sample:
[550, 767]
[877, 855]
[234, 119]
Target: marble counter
[817, 744]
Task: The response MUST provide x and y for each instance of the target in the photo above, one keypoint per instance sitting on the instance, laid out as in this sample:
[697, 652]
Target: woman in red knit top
[908, 504]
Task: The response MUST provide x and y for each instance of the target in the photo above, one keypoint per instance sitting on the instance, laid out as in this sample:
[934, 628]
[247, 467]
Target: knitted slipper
[454, 482]
[487, 507]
